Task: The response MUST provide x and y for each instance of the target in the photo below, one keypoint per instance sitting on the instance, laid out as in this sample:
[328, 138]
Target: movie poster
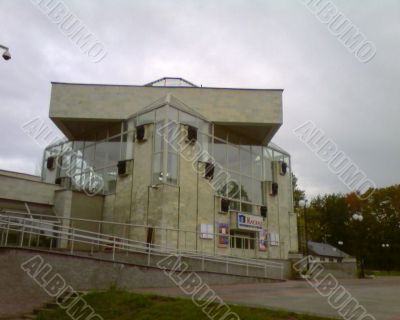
[223, 235]
[262, 240]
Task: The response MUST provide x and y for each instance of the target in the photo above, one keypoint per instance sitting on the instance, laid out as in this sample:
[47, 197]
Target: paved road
[380, 296]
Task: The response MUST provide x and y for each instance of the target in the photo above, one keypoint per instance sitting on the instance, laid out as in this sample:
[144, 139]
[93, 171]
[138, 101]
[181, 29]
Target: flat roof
[158, 87]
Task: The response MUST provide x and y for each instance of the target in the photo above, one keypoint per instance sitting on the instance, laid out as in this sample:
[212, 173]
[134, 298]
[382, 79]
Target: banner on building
[262, 242]
[223, 235]
[249, 222]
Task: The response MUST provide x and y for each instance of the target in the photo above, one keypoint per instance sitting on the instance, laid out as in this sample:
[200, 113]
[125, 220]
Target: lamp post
[358, 218]
[303, 204]
[6, 54]
[386, 246]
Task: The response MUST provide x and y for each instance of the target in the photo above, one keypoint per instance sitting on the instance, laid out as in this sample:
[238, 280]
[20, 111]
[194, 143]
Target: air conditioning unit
[141, 133]
[64, 182]
[264, 211]
[225, 205]
[122, 168]
[191, 134]
[274, 189]
[209, 171]
[50, 163]
[283, 168]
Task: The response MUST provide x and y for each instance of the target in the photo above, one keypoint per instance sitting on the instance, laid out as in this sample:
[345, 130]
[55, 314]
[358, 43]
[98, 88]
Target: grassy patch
[384, 273]
[121, 305]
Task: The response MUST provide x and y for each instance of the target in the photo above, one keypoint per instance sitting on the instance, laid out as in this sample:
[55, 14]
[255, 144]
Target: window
[165, 153]
[242, 240]
[206, 231]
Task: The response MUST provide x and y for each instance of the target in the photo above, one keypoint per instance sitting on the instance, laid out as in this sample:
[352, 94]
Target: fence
[51, 233]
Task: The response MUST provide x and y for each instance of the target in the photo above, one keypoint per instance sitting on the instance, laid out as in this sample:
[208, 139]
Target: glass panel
[188, 119]
[157, 168]
[113, 150]
[172, 114]
[88, 157]
[267, 164]
[219, 183]
[257, 192]
[205, 142]
[234, 205]
[161, 114]
[246, 189]
[245, 162]
[76, 163]
[78, 145]
[204, 127]
[234, 186]
[172, 173]
[159, 137]
[257, 161]
[233, 157]
[110, 179]
[101, 154]
[67, 157]
[173, 136]
[76, 181]
[246, 207]
[220, 152]
[144, 119]
[128, 146]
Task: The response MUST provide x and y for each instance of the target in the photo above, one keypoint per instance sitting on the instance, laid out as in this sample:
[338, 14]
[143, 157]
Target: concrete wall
[217, 105]
[23, 293]
[26, 190]
[74, 204]
[343, 270]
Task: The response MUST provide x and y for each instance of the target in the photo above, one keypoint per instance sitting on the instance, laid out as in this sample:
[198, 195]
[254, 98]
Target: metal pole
[113, 256]
[8, 228]
[22, 235]
[72, 241]
[306, 232]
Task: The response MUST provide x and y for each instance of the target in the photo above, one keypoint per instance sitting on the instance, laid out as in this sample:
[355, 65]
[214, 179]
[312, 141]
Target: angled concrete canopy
[249, 112]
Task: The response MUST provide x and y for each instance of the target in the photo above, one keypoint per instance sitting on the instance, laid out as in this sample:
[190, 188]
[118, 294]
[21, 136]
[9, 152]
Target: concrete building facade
[174, 165]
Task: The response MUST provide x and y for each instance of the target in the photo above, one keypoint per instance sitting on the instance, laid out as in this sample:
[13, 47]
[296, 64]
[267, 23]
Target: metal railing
[51, 234]
[173, 237]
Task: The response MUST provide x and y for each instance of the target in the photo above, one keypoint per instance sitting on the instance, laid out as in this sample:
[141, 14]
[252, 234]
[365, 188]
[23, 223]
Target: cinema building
[172, 164]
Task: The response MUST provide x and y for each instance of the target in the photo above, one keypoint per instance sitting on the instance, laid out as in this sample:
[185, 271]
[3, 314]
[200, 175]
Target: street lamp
[386, 246]
[359, 218]
[303, 204]
[6, 54]
[340, 243]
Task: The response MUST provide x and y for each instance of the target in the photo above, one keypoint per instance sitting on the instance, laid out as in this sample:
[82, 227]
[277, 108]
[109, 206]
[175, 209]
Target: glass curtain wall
[247, 167]
[93, 160]
[167, 140]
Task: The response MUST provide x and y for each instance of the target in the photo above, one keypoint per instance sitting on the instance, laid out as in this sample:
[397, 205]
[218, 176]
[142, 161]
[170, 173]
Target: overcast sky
[245, 44]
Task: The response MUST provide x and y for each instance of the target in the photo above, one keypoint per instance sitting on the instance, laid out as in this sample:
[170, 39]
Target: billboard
[249, 222]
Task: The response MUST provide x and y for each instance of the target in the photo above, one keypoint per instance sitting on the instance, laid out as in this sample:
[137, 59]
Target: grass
[384, 273]
[122, 305]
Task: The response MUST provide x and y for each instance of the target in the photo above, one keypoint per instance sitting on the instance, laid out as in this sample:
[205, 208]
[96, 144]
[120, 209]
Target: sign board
[223, 235]
[249, 222]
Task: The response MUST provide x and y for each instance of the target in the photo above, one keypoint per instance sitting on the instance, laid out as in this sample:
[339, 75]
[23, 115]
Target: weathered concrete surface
[379, 296]
[19, 293]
